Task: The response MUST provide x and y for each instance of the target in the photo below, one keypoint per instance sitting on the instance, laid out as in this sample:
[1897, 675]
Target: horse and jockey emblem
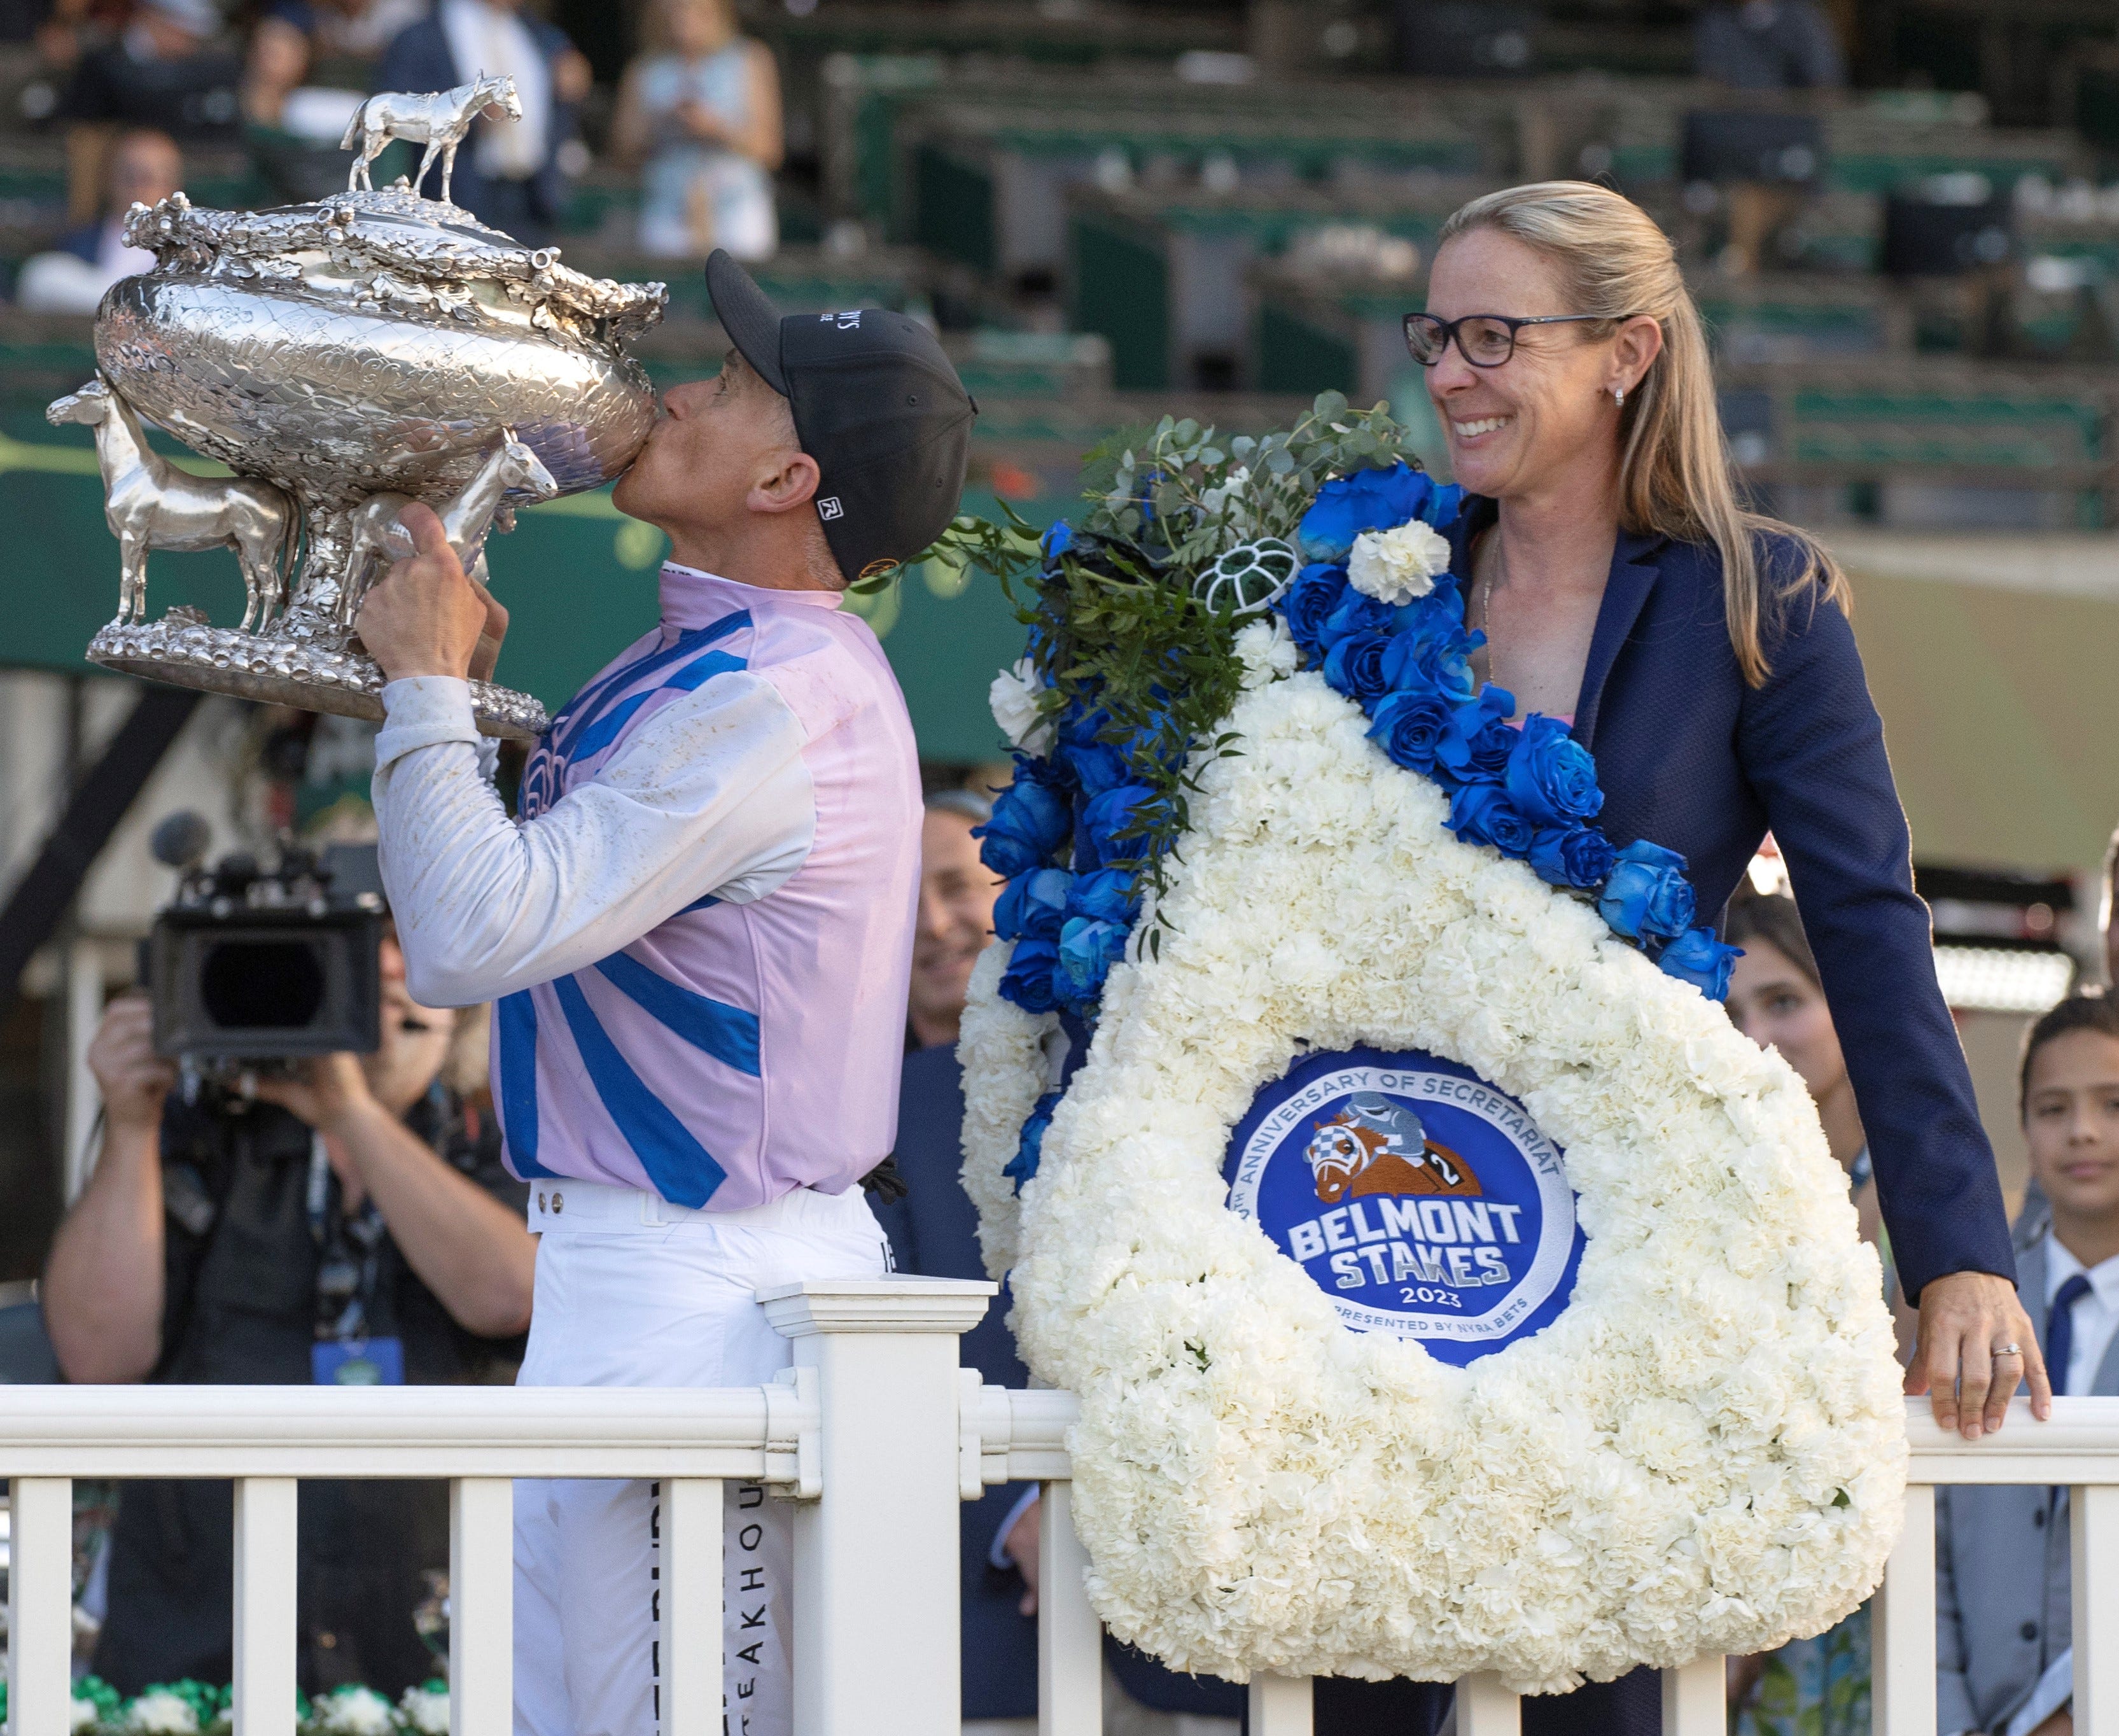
[1424, 1201]
[1371, 1146]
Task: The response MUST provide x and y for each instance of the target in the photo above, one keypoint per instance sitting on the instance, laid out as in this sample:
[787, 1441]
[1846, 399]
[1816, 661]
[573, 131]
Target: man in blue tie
[2004, 1611]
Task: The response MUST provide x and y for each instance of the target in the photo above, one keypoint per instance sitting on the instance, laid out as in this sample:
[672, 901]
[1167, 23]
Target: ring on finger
[2002, 1350]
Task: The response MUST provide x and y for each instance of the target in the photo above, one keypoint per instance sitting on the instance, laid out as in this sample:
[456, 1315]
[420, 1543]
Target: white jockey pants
[632, 1291]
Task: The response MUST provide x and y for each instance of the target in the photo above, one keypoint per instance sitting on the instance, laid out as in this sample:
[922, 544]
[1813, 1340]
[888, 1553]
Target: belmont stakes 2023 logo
[1421, 1201]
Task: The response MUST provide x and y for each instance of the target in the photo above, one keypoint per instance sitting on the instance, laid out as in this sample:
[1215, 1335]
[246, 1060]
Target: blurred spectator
[1768, 45]
[2004, 1604]
[166, 70]
[1820, 1686]
[353, 1226]
[702, 111]
[510, 177]
[955, 918]
[144, 166]
[346, 38]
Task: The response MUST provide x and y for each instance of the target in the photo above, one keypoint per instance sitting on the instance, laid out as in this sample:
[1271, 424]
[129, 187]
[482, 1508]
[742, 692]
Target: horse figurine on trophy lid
[344, 358]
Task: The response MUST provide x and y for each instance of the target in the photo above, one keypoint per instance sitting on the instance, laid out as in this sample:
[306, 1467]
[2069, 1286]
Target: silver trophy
[343, 359]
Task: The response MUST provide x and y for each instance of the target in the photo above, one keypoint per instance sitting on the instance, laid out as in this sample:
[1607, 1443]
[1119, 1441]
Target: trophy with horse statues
[343, 359]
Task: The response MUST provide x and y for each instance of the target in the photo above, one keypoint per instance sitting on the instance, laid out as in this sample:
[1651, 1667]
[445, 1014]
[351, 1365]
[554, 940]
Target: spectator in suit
[510, 176]
[1768, 45]
[934, 1232]
[146, 166]
[2003, 1609]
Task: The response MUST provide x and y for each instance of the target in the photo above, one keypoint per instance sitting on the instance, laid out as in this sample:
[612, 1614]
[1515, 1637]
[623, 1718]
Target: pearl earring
[1618, 397]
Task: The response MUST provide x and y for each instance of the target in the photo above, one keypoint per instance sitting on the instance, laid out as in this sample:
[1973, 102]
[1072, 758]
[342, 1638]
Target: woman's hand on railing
[1976, 1344]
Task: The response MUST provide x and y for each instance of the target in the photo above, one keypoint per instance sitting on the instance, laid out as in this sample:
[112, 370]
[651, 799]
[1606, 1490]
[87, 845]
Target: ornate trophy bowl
[344, 358]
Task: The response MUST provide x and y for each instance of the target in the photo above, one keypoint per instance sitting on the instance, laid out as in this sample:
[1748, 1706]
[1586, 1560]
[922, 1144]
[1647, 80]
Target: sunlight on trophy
[345, 359]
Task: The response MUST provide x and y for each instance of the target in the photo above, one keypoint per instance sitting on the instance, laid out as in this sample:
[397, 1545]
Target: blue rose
[1097, 765]
[1696, 957]
[1354, 666]
[1030, 1143]
[1576, 855]
[1106, 896]
[1475, 747]
[1309, 602]
[1432, 650]
[1443, 506]
[1028, 980]
[1550, 776]
[1367, 500]
[1033, 904]
[1482, 813]
[1088, 951]
[1057, 538]
[1114, 811]
[1647, 893]
[1030, 821]
[1355, 613]
[1410, 725]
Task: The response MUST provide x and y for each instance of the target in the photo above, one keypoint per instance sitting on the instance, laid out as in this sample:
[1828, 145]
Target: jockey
[698, 935]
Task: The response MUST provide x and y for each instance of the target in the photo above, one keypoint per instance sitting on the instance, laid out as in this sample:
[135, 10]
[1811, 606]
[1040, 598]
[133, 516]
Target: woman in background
[702, 112]
[1820, 1686]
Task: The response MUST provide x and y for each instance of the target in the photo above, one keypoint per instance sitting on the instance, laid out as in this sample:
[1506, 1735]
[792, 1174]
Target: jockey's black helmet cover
[877, 404]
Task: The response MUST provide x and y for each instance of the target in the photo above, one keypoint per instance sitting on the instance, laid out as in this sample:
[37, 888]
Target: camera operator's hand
[330, 1090]
[133, 1078]
[423, 617]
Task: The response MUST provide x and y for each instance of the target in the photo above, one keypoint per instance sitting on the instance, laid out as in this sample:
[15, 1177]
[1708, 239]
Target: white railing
[876, 1434]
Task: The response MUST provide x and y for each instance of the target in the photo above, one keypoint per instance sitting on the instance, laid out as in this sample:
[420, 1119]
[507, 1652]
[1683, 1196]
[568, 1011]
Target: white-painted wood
[265, 1555]
[39, 1605]
[481, 1606]
[878, 1646]
[689, 1594]
[1695, 1699]
[1485, 1708]
[2095, 1554]
[1280, 1705]
[1070, 1639]
[1902, 1625]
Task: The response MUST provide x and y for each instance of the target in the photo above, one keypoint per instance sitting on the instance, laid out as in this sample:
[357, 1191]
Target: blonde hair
[1674, 477]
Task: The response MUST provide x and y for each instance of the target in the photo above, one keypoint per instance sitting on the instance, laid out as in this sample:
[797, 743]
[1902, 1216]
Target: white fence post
[1280, 1705]
[1485, 1708]
[877, 1644]
[481, 1606]
[265, 1544]
[690, 1594]
[1070, 1639]
[2094, 1541]
[1904, 1625]
[1695, 1698]
[40, 1607]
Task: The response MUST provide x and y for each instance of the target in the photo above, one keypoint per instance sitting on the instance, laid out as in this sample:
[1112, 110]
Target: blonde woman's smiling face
[1516, 426]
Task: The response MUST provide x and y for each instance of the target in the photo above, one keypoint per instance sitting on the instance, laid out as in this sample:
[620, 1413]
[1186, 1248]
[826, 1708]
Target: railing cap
[896, 1304]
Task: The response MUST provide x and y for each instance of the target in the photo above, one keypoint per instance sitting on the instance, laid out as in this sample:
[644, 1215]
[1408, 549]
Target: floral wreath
[1705, 1451]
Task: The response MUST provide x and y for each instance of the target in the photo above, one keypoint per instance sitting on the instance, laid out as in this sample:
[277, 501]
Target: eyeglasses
[1484, 339]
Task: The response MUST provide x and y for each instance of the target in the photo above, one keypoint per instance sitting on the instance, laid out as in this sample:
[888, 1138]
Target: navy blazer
[1690, 757]
[419, 60]
[934, 1232]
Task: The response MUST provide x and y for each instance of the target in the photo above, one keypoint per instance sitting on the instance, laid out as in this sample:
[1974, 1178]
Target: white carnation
[425, 1710]
[1013, 697]
[160, 1713]
[1266, 650]
[1397, 566]
[83, 1714]
[351, 1712]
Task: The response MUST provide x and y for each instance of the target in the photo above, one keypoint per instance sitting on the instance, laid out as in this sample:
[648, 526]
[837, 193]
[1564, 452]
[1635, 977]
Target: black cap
[877, 406]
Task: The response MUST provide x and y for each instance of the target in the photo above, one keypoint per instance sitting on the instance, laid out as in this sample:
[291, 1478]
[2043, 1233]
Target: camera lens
[262, 985]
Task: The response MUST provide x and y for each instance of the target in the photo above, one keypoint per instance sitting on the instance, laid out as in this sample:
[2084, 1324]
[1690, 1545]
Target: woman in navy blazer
[1703, 655]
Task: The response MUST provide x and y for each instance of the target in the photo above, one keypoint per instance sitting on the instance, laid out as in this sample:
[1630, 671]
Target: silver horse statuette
[438, 121]
[149, 503]
[378, 537]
